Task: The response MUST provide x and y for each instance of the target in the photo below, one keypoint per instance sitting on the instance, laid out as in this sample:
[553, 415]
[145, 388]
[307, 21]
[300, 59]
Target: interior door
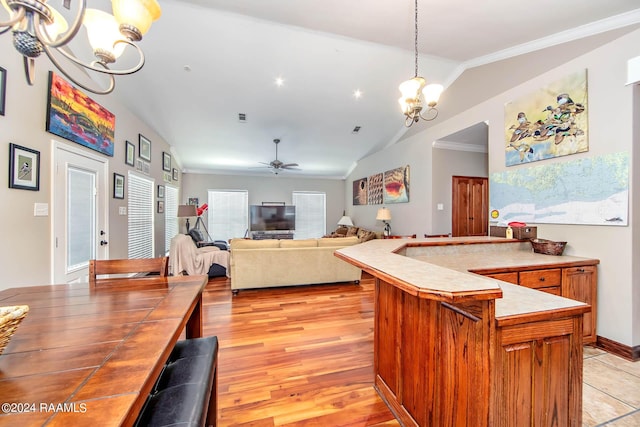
[470, 206]
[80, 197]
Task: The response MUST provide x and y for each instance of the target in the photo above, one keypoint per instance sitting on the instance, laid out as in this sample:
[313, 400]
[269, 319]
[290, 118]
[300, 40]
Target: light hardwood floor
[304, 356]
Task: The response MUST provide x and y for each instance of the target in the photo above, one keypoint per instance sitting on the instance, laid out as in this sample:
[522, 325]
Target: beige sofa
[271, 263]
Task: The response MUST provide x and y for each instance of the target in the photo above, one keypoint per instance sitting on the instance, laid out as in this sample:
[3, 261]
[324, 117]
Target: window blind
[170, 215]
[140, 216]
[310, 214]
[228, 215]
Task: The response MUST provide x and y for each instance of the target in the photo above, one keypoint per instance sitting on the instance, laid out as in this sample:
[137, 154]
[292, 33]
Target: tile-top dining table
[90, 356]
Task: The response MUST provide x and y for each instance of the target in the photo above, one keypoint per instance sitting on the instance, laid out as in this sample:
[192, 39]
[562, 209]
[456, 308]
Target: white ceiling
[208, 60]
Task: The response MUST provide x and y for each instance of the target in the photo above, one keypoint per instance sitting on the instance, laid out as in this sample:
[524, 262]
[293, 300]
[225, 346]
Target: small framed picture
[193, 201]
[118, 186]
[3, 89]
[24, 168]
[130, 154]
[175, 174]
[160, 191]
[166, 161]
[144, 148]
[160, 206]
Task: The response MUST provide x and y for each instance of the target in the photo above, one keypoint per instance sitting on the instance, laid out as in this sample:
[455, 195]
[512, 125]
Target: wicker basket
[547, 247]
[10, 318]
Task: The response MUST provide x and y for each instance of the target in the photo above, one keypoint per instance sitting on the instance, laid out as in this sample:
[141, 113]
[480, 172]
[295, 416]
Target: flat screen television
[272, 218]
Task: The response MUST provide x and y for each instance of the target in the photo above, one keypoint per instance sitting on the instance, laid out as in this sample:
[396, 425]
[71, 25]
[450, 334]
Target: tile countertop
[440, 267]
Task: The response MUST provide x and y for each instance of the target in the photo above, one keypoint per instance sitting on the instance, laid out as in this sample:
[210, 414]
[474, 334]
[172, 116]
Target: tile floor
[611, 392]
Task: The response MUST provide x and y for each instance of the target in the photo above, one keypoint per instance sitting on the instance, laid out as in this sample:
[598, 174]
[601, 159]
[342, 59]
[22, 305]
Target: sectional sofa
[273, 263]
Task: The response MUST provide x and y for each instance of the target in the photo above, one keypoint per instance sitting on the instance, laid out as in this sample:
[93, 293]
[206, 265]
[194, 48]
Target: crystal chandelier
[415, 93]
[37, 28]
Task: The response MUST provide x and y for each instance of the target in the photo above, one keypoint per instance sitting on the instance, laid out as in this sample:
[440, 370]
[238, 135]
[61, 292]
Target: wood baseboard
[613, 347]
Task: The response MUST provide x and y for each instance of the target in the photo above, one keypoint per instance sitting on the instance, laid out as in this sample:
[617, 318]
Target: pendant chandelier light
[37, 28]
[415, 93]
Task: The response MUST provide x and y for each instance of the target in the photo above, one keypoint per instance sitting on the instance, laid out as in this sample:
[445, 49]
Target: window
[310, 214]
[171, 225]
[140, 216]
[228, 214]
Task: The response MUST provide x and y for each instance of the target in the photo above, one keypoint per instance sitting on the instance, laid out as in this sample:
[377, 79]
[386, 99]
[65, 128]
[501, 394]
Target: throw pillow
[352, 231]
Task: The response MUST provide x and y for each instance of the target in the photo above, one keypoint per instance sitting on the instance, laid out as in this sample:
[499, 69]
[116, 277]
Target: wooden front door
[470, 205]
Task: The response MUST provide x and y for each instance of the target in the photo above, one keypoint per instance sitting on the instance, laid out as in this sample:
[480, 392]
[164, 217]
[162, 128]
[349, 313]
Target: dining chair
[126, 266]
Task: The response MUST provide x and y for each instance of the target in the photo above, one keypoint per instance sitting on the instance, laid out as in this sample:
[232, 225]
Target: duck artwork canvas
[551, 122]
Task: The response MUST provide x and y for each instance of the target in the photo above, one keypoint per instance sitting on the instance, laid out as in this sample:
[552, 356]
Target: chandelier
[415, 93]
[37, 28]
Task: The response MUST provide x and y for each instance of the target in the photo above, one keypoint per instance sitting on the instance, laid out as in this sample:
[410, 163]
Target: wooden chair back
[158, 266]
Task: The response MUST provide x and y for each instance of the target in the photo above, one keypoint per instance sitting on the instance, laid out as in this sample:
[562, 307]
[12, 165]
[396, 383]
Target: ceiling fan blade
[289, 165]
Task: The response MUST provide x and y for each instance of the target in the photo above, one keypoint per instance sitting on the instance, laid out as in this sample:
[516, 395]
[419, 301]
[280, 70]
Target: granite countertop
[439, 268]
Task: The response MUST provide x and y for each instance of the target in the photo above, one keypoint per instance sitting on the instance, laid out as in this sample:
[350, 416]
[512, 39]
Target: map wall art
[74, 116]
[549, 122]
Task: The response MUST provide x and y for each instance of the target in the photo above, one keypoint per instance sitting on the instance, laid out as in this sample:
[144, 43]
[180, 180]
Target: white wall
[611, 129]
[275, 188]
[25, 255]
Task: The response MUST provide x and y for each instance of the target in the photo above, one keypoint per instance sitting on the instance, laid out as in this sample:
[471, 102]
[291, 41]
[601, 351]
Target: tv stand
[266, 235]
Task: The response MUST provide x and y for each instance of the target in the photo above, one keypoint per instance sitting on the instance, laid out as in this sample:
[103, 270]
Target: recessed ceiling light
[357, 94]
[279, 81]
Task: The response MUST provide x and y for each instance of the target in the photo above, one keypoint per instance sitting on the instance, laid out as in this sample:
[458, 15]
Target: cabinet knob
[542, 279]
[581, 270]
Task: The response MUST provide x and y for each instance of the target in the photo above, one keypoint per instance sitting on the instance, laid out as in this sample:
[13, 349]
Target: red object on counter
[517, 224]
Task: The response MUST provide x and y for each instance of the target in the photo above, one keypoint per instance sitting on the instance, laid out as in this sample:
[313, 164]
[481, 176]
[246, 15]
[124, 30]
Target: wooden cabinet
[577, 283]
[470, 210]
[580, 284]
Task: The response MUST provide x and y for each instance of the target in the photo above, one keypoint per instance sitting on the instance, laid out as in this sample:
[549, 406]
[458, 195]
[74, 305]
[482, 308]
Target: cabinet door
[469, 211]
[506, 277]
[580, 284]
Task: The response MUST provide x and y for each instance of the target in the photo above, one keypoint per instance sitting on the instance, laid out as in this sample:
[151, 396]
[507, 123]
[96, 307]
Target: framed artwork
[166, 161]
[166, 176]
[74, 116]
[144, 148]
[376, 189]
[160, 206]
[396, 185]
[549, 122]
[360, 187]
[160, 191]
[175, 174]
[24, 168]
[3, 89]
[118, 186]
[193, 201]
[130, 154]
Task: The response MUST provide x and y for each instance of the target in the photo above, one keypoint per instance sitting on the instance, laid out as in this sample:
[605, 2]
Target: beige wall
[611, 118]
[25, 255]
[266, 189]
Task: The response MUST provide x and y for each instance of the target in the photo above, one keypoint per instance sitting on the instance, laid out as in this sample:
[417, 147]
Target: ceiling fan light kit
[415, 92]
[37, 28]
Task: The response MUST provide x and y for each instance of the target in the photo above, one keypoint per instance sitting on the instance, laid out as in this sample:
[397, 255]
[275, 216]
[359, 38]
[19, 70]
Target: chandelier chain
[415, 40]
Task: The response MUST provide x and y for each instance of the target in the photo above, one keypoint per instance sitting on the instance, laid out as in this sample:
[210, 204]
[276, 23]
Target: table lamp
[384, 215]
[345, 221]
[187, 211]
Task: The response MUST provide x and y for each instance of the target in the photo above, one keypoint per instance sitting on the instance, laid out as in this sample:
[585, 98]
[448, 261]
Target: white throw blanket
[184, 256]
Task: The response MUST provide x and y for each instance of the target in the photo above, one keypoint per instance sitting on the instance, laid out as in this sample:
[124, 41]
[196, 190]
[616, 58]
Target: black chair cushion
[194, 347]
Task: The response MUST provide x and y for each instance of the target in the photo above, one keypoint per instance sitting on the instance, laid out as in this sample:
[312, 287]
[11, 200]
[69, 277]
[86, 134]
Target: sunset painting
[74, 116]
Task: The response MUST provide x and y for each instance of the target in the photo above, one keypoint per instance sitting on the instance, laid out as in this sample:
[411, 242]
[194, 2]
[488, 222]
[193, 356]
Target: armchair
[186, 258]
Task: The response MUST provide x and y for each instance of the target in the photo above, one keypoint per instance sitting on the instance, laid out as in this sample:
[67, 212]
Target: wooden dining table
[90, 357]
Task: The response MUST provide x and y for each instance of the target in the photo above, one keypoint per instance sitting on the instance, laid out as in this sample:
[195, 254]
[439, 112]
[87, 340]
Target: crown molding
[460, 146]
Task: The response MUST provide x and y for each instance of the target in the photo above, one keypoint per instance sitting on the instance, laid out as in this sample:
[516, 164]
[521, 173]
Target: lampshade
[345, 221]
[187, 211]
[384, 214]
[138, 14]
[103, 32]
[432, 93]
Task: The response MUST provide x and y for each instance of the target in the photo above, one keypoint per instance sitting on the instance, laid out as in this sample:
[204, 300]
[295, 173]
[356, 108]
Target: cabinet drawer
[505, 277]
[540, 278]
[555, 290]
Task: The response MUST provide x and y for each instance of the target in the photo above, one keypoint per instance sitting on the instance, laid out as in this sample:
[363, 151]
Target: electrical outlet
[440, 207]
[122, 210]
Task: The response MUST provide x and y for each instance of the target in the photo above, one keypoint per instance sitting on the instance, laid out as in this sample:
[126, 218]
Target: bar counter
[453, 347]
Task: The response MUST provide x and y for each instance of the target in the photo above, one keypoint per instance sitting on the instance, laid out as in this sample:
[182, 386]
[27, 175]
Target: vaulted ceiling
[207, 61]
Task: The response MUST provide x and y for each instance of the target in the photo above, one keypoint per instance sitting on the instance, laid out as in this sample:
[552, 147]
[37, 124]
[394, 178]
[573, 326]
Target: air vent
[242, 117]
[356, 129]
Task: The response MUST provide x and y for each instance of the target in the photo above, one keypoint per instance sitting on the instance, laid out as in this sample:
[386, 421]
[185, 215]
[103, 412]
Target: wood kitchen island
[456, 348]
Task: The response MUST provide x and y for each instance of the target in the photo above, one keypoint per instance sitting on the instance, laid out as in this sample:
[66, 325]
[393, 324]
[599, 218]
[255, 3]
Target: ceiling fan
[276, 165]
